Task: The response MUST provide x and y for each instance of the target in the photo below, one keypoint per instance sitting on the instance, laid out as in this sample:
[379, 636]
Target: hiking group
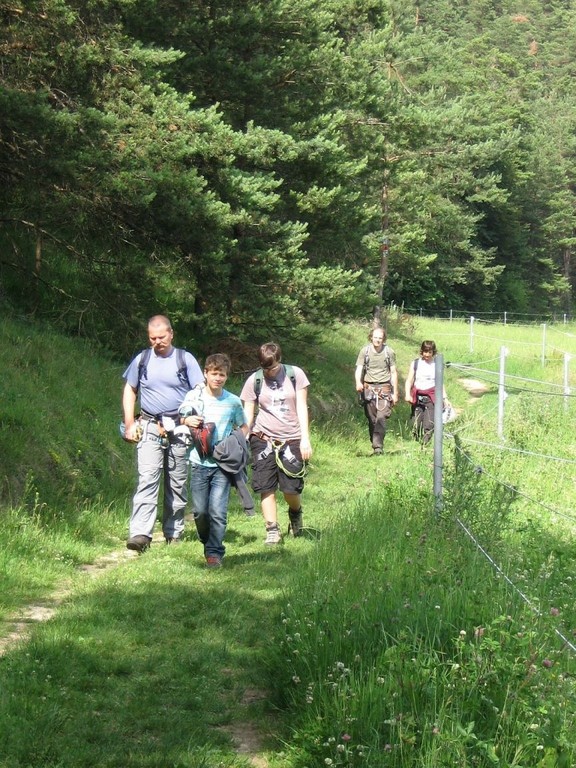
[193, 435]
[190, 431]
[376, 379]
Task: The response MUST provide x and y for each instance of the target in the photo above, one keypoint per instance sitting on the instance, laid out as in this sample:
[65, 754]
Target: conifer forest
[258, 167]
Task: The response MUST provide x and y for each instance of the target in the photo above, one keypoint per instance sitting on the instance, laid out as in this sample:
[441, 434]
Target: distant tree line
[258, 167]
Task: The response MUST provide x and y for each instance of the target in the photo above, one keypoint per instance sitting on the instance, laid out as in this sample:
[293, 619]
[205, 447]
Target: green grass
[385, 638]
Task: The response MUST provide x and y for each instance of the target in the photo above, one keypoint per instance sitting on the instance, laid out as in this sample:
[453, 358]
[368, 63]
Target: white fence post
[543, 344]
[438, 430]
[566, 380]
[501, 392]
[471, 333]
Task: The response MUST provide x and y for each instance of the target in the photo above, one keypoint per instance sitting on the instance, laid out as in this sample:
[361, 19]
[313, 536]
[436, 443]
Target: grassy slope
[151, 663]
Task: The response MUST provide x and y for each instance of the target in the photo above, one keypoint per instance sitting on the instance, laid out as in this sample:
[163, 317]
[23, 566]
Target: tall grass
[388, 636]
[398, 647]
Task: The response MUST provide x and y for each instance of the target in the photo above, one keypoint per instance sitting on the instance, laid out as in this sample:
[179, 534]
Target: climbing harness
[382, 395]
[282, 450]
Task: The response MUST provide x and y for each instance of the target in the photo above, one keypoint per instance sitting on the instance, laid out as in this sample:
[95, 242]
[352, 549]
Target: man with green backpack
[377, 385]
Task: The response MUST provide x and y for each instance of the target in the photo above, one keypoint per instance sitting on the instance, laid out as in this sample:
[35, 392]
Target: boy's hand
[193, 421]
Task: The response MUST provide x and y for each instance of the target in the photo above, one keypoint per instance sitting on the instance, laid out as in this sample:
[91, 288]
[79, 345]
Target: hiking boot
[173, 539]
[377, 452]
[273, 535]
[138, 543]
[213, 561]
[295, 525]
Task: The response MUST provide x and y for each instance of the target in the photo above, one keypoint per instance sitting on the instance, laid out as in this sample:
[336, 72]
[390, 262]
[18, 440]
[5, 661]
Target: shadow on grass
[150, 661]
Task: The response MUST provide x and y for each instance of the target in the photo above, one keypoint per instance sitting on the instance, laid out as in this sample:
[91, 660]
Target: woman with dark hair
[421, 391]
[275, 402]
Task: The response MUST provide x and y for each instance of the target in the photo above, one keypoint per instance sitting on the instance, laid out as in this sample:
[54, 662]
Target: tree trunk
[384, 249]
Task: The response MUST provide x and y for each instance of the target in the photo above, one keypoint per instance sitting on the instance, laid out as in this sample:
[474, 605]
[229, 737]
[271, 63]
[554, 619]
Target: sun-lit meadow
[397, 632]
[420, 637]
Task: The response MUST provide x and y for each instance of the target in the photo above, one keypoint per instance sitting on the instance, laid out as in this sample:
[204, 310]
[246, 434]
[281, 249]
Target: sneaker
[213, 561]
[138, 543]
[295, 526]
[273, 535]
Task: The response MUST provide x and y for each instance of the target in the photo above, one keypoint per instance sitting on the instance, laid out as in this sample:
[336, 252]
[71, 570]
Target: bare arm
[128, 403]
[302, 412]
[358, 377]
[394, 383]
[409, 383]
[249, 408]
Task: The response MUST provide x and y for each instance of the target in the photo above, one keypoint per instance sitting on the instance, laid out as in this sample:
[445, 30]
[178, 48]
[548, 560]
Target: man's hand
[133, 432]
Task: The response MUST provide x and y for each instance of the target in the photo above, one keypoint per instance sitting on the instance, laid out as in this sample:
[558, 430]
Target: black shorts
[267, 475]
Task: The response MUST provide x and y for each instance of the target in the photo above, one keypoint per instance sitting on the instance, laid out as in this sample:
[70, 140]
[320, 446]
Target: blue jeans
[210, 488]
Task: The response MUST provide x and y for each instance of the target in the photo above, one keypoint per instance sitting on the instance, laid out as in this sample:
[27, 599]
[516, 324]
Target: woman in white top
[420, 391]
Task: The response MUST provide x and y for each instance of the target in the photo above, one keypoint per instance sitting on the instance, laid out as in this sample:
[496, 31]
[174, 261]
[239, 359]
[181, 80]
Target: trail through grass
[381, 639]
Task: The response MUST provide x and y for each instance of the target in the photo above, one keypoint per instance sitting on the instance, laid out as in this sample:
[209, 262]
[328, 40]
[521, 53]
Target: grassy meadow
[395, 633]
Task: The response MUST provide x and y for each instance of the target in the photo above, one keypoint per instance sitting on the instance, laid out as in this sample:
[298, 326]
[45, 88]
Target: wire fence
[474, 539]
[497, 316]
[459, 437]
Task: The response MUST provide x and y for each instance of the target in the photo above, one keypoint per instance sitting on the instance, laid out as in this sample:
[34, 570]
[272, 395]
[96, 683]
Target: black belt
[149, 417]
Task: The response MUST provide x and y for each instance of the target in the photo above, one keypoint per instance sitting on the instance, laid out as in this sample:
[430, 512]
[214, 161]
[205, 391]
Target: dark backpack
[259, 378]
[182, 372]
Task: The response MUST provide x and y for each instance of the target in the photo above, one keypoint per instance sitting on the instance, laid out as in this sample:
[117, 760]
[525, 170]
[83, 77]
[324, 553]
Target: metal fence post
[501, 392]
[566, 380]
[438, 431]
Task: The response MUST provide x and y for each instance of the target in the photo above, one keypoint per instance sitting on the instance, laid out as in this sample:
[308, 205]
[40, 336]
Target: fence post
[543, 344]
[438, 431]
[471, 333]
[501, 392]
[566, 380]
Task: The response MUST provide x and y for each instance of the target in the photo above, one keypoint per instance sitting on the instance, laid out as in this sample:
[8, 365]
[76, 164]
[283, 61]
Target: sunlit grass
[384, 637]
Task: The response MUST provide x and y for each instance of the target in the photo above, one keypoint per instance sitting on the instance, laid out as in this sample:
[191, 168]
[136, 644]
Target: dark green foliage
[238, 164]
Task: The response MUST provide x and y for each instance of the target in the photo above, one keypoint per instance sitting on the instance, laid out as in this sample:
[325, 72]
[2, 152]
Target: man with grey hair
[159, 377]
[377, 384]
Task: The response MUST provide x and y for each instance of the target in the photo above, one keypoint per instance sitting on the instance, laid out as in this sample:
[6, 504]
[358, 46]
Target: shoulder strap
[182, 372]
[143, 364]
[258, 379]
[289, 371]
